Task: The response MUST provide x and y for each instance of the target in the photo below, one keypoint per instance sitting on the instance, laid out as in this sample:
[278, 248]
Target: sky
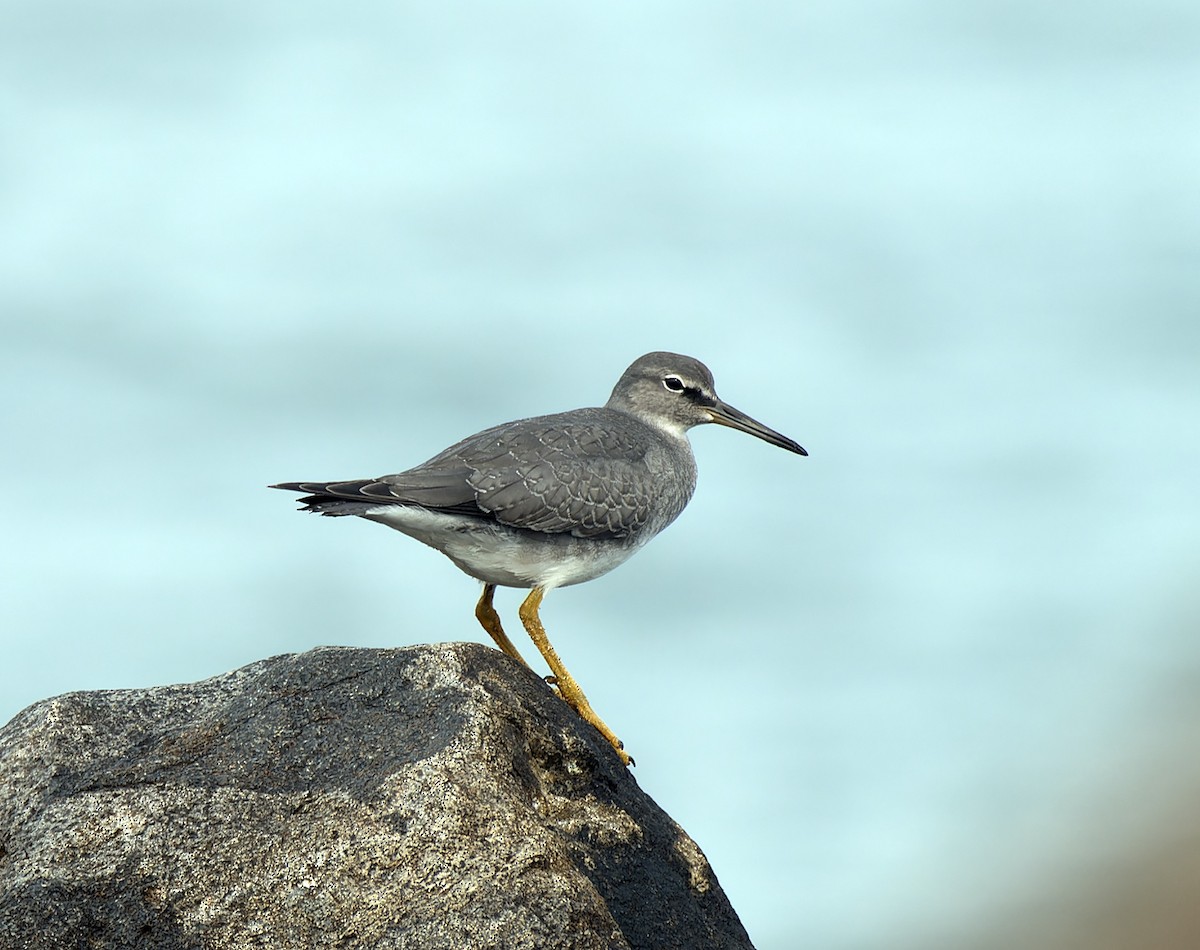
[899, 690]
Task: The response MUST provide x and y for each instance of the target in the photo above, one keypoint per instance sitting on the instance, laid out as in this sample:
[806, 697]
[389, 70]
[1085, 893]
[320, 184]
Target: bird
[553, 500]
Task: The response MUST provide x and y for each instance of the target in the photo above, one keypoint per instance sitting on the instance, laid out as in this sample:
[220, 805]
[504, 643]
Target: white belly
[507, 556]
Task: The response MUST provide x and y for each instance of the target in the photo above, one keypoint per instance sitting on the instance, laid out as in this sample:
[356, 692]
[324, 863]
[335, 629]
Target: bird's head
[674, 393]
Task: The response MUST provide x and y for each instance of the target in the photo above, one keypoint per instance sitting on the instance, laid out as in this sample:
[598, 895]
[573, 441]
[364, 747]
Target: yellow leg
[486, 614]
[565, 682]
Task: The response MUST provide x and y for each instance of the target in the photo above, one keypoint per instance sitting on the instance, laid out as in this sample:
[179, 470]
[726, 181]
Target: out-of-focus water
[892, 689]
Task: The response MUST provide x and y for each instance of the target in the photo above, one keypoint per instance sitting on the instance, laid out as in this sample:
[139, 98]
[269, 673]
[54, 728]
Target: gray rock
[429, 797]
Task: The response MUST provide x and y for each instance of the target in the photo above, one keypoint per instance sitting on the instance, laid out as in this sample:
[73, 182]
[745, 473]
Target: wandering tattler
[554, 500]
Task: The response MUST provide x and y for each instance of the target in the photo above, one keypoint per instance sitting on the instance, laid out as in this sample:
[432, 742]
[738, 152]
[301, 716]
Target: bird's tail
[322, 502]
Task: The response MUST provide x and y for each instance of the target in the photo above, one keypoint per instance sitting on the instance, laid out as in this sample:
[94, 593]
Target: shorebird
[553, 500]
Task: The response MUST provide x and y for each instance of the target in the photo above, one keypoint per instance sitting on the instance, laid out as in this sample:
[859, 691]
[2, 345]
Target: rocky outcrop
[429, 797]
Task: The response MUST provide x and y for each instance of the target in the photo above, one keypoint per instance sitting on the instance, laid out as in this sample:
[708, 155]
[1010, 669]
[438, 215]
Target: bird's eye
[673, 383]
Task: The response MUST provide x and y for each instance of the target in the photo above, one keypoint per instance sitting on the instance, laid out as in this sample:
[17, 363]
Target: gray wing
[586, 478]
[585, 475]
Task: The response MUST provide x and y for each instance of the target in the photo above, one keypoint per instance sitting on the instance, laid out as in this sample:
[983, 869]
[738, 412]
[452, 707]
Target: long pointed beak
[724, 414]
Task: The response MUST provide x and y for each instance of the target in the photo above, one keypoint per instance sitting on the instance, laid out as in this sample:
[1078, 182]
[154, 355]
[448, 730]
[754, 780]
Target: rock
[429, 797]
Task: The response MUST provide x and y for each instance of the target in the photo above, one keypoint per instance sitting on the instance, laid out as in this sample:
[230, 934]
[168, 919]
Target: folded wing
[583, 477]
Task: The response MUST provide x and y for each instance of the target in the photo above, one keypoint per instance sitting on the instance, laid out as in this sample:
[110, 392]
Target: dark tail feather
[335, 507]
[322, 503]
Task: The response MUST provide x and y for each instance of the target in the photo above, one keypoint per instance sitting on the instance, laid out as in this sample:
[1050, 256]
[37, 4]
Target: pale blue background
[892, 689]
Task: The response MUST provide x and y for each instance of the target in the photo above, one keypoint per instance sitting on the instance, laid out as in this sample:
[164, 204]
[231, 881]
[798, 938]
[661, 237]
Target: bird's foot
[577, 701]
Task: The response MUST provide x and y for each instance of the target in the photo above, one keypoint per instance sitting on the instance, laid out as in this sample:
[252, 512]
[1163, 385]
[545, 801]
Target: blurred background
[937, 685]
